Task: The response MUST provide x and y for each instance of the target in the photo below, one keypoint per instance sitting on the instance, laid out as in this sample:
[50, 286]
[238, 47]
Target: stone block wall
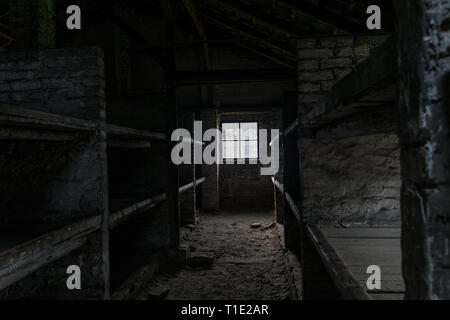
[67, 82]
[352, 182]
[322, 62]
[57, 183]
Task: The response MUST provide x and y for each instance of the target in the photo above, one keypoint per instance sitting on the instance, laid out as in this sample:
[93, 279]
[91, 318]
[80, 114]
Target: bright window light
[240, 140]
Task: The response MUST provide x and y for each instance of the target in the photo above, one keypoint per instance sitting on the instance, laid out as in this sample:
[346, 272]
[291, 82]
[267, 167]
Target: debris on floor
[234, 262]
[201, 260]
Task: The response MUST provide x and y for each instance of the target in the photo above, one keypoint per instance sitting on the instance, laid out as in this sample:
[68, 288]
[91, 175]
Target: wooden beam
[195, 15]
[31, 119]
[20, 261]
[292, 128]
[295, 210]
[369, 79]
[260, 20]
[14, 133]
[233, 76]
[279, 185]
[125, 214]
[326, 17]
[191, 185]
[383, 120]
[116, 131]
[128, 144]
[247, 33]
[343, 279]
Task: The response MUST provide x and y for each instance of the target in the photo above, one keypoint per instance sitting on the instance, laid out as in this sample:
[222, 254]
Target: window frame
[240, 140]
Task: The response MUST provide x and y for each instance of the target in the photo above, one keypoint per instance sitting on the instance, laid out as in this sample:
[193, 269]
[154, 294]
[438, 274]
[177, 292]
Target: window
[240, 140]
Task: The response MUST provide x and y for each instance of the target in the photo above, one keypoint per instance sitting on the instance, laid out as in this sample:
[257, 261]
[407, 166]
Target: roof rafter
[324, 16]
[247, 33]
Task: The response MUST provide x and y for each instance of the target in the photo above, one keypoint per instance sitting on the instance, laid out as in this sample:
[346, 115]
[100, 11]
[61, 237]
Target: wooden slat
[20, 261]
[294, 208]
[16, 133]
[292, 127]
[359, 248]
[22, 117]
[279, 185]
[361, 233]
[121, 216]
[128, 144]
[191, 185]
[343, 279]
[130, 133]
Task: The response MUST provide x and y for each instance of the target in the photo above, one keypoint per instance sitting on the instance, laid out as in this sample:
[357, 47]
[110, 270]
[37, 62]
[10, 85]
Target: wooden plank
[121, 216]
[128, 144]
[24, 259]
[191, 185]
[41, 259]
[377, 72]
[22, 117]
[387, 296]
[124, 132]
[385, 243]
[292, 127]
[16, 133]
[278, 185]
[294, 208]
[359, 248]
[343, 279]
[361, 232]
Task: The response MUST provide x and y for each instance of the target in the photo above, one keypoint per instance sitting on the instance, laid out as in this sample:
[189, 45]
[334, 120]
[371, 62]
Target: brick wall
[324, 61]
[56, 183]
[60, 81]
[352, 182]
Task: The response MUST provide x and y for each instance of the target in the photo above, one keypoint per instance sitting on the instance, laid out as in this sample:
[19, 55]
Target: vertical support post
[291, 179]
[424, 109]
[172, 124]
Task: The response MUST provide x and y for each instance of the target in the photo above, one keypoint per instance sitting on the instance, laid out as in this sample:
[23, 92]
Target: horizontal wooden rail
[289, 200]
[22, 260]
[14, 117]
[345, 282]
[114, 131]
[294, 208]
[121, 216]
[192, 185]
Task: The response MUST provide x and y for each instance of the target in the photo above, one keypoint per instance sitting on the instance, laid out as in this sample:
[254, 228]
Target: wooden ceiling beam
[245, 33]
[324, 16]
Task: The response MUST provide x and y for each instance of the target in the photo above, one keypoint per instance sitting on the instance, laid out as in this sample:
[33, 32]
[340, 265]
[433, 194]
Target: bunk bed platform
[348, 252]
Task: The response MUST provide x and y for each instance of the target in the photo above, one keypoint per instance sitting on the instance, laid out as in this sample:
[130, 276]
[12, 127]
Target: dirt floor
[249, 260]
